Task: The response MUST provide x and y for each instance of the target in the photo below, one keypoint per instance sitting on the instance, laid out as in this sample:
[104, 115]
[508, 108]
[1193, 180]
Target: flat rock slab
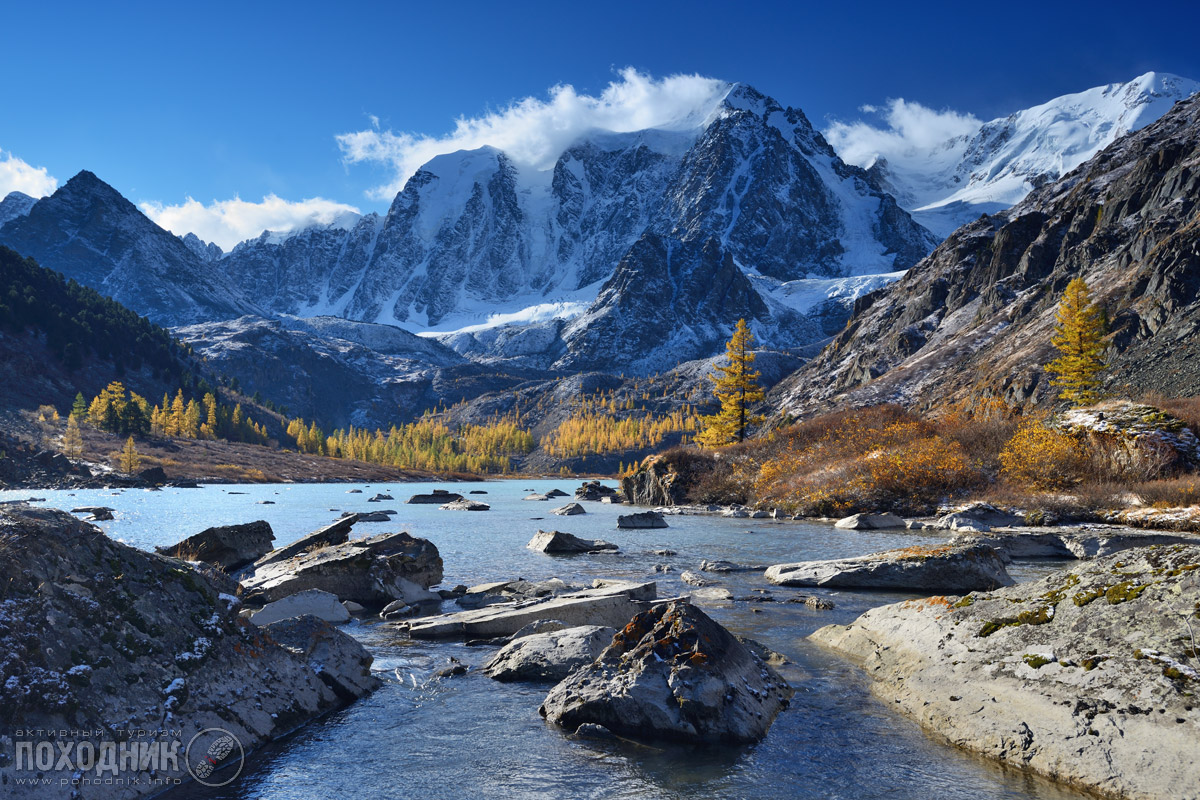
[645, 519]
[372, 572]
[611, 605]
[335, 533]
[946, 568]
[536, 497]
[1070, 542]
[466, 505]
[322, 605]
[551, 655]
[672, 673]
[227, 546]
[869, 522]
[436, 498]
[1085, 676]
[559, 543]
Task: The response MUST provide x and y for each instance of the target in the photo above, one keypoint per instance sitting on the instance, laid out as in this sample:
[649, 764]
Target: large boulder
[944, 568]
[436, 498]
[1087, 676]
[570, 510]
[869, 522]
[611, 604]
[656, 482]
[311, 602]
[673, 673]
[594, 491]
[557, 542]
[337, 659]
[557, 493]
[1090, 542]
[335, 533]
[227, 546]
[644, 519]
[373, 571]
[93, 631]
[466, 505]
[552, 655]
[1139, 441]
[979, 517]
[155, 476]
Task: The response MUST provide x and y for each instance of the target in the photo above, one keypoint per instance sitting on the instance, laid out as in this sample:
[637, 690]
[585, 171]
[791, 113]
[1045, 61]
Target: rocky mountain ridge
[976, 316]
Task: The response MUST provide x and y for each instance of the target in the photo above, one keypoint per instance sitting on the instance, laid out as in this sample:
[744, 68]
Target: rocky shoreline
[1086, 668]
[1088, 676]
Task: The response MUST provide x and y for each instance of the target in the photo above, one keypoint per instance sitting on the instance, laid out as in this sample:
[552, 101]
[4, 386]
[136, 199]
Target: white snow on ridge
[995, 165]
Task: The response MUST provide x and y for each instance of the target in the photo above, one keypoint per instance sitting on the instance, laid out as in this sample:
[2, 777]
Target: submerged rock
[565, 543]
[1087, 676]
[373, 571]
[645, 519]
[672, 673]
[96, 635]
[227, 546]
[549, 655]
[945, 568]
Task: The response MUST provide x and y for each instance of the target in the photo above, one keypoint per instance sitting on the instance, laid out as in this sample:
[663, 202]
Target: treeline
[79, 322]
[604, 423]
[118, 410]
[427, 444]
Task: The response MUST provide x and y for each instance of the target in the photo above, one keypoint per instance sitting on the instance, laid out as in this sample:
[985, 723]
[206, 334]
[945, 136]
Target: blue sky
[216, 101]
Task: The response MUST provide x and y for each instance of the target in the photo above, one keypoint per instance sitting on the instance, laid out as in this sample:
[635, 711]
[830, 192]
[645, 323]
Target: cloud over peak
[18, 176]
[908, 130]
[536, 131]
[228, 222]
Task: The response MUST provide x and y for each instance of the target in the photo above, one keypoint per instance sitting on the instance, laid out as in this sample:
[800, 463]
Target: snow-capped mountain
[15, 204]
[476, 240]
[997, 165]
[88, 231]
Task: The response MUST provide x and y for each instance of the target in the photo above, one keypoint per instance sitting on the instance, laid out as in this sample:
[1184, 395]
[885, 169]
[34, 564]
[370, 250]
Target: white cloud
[909, 130]
[227, 222]
[18, 176]
[536, 132]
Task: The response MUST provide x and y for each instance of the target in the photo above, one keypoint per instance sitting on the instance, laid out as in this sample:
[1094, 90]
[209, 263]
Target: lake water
[471, 737]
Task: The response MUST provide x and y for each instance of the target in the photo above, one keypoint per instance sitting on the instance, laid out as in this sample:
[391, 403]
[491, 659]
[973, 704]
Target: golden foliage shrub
[866, 460]
[1039, 457]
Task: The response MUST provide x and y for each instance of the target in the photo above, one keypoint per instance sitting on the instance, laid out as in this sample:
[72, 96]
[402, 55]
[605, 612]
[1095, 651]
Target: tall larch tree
[1080, 336]
[737, 387]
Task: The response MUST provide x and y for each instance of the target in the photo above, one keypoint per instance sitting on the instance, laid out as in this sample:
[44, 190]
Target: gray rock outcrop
[552, 655]
[335, 533]
[436, 497]
[466, 505]
[1087, 676]
[959, 568]
[227, 546]
[570, 510]
[672, 673]
[373, 571]
[99, 636]
[557, 542]
[313, 602]
[869, 522]
[644, 519]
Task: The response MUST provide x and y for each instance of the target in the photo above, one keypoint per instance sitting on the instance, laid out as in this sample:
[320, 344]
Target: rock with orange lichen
[673, 673]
